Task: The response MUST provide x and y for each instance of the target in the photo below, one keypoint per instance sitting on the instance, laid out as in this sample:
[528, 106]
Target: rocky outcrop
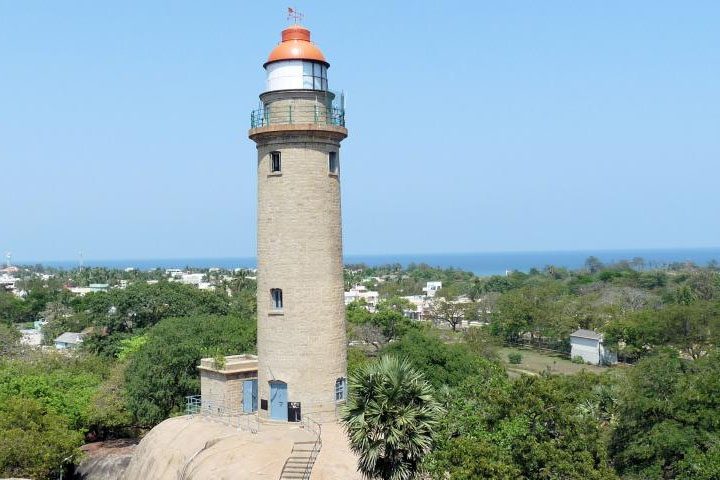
[200, 448]
[106, 460]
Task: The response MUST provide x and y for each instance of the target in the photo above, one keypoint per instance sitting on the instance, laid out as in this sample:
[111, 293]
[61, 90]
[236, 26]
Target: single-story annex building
[589, 345]
[68, 340]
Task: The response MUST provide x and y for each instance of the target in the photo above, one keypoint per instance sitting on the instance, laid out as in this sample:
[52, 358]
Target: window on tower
[333, 165]
[276, 298]
[314, 76]
[274, 162]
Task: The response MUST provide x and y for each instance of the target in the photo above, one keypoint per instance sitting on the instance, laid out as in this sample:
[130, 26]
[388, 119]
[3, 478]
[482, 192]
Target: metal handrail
[217, 411]
[316, 429]
[292, 114]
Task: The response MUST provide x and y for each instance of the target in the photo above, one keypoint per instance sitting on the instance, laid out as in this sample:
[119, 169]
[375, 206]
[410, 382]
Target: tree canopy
[163, 370]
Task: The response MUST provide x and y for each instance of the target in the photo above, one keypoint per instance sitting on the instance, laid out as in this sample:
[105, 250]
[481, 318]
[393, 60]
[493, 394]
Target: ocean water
[496, 263]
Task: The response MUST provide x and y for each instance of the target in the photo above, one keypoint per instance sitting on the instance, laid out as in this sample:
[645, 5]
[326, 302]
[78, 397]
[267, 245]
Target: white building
[92, 288]
[589, 346]
[431, 288]
[7, 282]
[68, 340]
[420, 307]
[192, 278]
[360, 292]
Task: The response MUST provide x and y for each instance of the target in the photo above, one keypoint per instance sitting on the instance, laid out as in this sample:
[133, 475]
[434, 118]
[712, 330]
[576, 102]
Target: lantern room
[296, 63]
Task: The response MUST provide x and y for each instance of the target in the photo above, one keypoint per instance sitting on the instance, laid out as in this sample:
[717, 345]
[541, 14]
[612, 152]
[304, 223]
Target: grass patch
[537, 362]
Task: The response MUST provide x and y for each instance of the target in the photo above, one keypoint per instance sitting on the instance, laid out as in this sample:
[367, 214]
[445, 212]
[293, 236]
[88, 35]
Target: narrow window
[333, 162]
[340, 388]
[275, 162]
[276, 298]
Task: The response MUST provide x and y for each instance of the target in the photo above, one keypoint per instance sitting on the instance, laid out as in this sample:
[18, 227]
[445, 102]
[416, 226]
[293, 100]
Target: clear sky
[477, 126]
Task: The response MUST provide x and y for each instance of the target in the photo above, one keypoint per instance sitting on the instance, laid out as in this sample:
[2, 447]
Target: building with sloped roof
[69, 340]
[588, 345]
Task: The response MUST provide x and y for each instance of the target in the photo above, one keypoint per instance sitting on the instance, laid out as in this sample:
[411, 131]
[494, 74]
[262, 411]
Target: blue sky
[477, 126]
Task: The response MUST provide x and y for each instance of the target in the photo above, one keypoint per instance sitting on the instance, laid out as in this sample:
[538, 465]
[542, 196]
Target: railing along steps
[299, 464]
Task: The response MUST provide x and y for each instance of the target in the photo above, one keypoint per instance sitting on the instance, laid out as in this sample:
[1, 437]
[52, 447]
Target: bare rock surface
[198, 448]
[106, 460]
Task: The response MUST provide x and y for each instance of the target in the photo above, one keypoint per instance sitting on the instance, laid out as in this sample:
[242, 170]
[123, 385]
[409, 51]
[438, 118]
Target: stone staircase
[299, 464]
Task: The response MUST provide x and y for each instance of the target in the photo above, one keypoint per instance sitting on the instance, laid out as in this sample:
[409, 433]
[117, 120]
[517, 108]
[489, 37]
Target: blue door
[250, 392]
[278, 401]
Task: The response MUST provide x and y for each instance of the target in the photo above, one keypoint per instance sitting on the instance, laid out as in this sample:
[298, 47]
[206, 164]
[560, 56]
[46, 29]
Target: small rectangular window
[333, 162]
[275, 162]
[340, 389]
[276, 298]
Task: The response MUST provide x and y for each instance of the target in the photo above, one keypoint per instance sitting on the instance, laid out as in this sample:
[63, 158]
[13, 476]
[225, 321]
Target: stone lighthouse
[301, 340]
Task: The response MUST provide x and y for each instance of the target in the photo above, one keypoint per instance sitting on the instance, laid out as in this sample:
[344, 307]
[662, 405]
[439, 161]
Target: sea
[482, 264]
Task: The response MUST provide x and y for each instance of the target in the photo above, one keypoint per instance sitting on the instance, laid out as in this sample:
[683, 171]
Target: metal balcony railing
[292, 114]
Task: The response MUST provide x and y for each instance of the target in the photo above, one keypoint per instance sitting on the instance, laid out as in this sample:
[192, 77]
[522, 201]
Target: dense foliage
[658, 419]
[443, 364]
[45, 404]
[654, 419]
[668, 423]
[35, 441]
[164, 369]
[390, 417]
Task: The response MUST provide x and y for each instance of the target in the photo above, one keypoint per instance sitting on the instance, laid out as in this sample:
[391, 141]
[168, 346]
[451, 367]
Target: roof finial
[294, 15]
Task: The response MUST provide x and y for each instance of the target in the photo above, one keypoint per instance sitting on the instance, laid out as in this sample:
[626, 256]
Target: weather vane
[294, 15]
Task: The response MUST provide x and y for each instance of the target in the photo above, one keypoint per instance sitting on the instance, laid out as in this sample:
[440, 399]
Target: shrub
[440, 363]
[578, 359]
[164, 369]
[515, 358]
[34, 440]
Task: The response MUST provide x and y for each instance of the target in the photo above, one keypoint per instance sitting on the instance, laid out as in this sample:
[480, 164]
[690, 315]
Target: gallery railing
[295, 114]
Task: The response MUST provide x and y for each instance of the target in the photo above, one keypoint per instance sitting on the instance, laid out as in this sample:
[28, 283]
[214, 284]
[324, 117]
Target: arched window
[340, 389]
[276, 298]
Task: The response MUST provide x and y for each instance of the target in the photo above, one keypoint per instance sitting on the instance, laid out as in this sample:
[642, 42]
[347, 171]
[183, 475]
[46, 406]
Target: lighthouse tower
[302, 357]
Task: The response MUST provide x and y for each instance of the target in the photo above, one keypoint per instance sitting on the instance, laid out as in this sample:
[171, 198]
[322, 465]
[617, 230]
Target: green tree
[390, 418]
[13, 309]
[442, 364]
[60, 383]
[444, 311]
[593, 265]
[481, 342]
[668, 414]
[534, 428]
[121, 312]
[164, 369]
[693, 329]
[108, 413]
[9, 339]
[34, 440]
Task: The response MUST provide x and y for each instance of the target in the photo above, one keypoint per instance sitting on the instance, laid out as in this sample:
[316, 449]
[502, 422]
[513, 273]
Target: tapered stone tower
[302, 346]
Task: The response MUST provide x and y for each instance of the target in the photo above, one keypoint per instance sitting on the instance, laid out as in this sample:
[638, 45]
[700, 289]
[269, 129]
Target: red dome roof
[296, 45]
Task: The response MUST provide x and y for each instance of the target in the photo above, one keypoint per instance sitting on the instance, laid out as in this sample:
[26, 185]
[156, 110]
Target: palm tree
[389, 417]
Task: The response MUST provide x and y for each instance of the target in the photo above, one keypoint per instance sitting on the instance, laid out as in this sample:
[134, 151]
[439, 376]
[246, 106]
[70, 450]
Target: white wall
[586, 348]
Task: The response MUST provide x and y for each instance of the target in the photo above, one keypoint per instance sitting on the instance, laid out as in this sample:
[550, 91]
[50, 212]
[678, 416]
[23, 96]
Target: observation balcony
[297, 114]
